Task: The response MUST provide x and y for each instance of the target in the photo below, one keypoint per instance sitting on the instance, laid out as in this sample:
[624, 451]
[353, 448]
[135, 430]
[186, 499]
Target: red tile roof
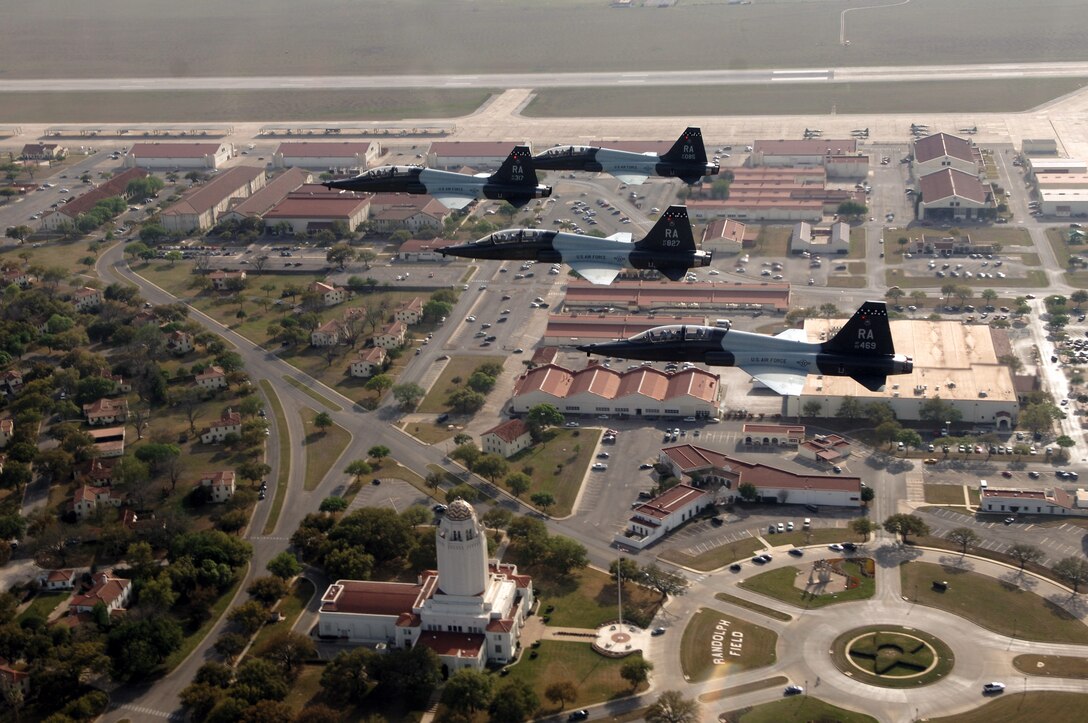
[949, 182]
[114, 187]
[557, 381]
[367, 597]
[689, 457]
[461, 645]
[323, 207]
[940, 145]
[650, 294]
[201, 199]
[510, 430]
[670, 501]
[106, 589]
[809, 147]
[173, 150]
[324, 149]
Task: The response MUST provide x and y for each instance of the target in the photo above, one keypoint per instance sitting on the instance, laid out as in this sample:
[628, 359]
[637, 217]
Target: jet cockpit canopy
[516, 235]
[675, 333]
[390, 172]
[566, 151]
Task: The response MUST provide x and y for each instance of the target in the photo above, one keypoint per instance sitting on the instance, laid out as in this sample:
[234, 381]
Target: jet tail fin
[866, 334]
[672, 232]
[688, 148]
[517, 169]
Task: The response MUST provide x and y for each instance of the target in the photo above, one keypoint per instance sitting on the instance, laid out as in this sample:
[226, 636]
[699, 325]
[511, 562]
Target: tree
[462, 491]
[346, 677]
[491, 466]
[1025, 553]
[467, 691]
[323, 421]
[849, 408]
[964, 537]
[1079, 297]
[513, 703]
[340, 254]
[1039, 417]
[543, 500]
[137, 647]
[519, 484]
[665, 582]
[894, 294]
[673, 707]
[378, 452]
[230, 645]
[747, 491]
[868, 494]
[267, 590]
[636, 671]
[258, 679]
[333, 504]
[284, 566]
[812, 408]
[249, 616]
[541, 417]
[561, 691]
[497, 518]
[411, 675]
[909, 438]
[465, 401]
[624, 568]
[563, 556]
[287, 649]
[852, 209]
[408, 394]
[1073, 570]
[358, 469]
[379, 383]
[862, 526]
[1065, 441]
[20, 233]
[904, 524]
[829, 310]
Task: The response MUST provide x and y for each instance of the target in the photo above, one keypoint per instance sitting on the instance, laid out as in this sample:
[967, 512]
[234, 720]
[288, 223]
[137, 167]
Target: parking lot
[1056, 539]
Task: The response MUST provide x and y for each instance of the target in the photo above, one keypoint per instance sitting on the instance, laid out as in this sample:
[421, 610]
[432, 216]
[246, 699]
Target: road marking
[1030, 526]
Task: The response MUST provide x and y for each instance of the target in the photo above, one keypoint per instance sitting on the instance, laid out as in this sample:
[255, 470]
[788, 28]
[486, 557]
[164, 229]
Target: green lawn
[1033, 277]
[65, 254]
[992, 604]
[284, 475]
[313, 394]
[779, 585]
[429, 432]
[875, 647]
[291, 606]
[941, 494]
[1057, 666]
[1052, 707]
[772, 241]
[588, 599]
[715, 644]
[596, 677]
[796, 709]
[558, 465]
[712, 559]
[458, 367]
[42, 605]
[1059, 241]
[754, 607]
[322, 448]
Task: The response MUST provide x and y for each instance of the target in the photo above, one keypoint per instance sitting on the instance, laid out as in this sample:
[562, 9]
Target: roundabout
[892, 656]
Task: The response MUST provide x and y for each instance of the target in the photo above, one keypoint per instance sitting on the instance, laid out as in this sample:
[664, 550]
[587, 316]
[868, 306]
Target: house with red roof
[507, 439]
[411, 312]
[87, 500]
[106, 411]
[330, 294]
[368, 362]
[392, 337]
[213, 377]
[179, 342]
[229, 423]
[222, 280]
[58, 579]
[654, 519]
[218, 486]
[113, 592]
[14, 676]
[7, 431]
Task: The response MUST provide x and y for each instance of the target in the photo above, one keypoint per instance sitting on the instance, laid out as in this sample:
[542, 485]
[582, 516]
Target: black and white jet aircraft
[862, 350]
[686, 160]
[514, 182]
[669, 247]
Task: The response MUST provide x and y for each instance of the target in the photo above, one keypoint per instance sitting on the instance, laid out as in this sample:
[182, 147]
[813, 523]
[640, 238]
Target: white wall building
[507, 439]
[178, 156]
[219, 486]
[229, 423]
[368, 362]
[653, 520]
[823, 241]
[327, 154]
[470, 613]
[1034, 502]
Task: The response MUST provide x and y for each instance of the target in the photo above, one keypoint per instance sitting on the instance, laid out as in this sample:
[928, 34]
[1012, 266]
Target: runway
[888, 74]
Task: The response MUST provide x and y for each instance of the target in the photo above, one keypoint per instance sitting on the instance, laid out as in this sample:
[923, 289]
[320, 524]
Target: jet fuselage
[440, 184]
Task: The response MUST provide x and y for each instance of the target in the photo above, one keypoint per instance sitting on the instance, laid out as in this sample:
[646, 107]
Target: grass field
[795, 98]
[458, 367]
[588, 599]
[596, 677]
[291, 607]
[888, 637]
[797, 709]
[716, 557]
[284, 475]
[938, 494]
[322, 448]
[1056, 666]
[1058, 238]
[558, 465]
[42, 605]
[754, 607]
[1008, 610]
[701, 660]
[1052, 707]
[242, 38]
[723, 693]
[779, 585]
[211, 106]
[1033, 278]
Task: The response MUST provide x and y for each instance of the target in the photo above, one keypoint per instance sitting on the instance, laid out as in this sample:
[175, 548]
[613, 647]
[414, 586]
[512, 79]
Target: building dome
[460, 510]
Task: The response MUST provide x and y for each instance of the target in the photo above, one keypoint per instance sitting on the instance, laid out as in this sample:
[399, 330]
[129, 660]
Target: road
[761, 76]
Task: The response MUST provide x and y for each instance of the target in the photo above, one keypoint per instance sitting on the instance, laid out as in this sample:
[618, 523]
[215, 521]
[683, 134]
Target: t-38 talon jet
[686, 160]
[862, 350]
[669, 247]
[514, 182]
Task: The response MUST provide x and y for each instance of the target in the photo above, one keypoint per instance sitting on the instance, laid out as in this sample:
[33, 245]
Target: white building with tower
[470, 611]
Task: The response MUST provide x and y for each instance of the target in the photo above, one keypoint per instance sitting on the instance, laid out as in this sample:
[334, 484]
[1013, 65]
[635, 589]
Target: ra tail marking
[866, 334]
[517, 169]
[688, 148]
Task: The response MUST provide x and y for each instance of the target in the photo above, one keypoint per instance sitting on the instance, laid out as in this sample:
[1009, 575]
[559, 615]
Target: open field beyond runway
[281, 37]
[978, 96]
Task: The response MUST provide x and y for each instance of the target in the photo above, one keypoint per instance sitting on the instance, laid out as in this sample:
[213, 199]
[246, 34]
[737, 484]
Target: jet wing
[603, 275]
[631, 178]
[792, 335]
[453, 201]
[788, 384]
[625, 237]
